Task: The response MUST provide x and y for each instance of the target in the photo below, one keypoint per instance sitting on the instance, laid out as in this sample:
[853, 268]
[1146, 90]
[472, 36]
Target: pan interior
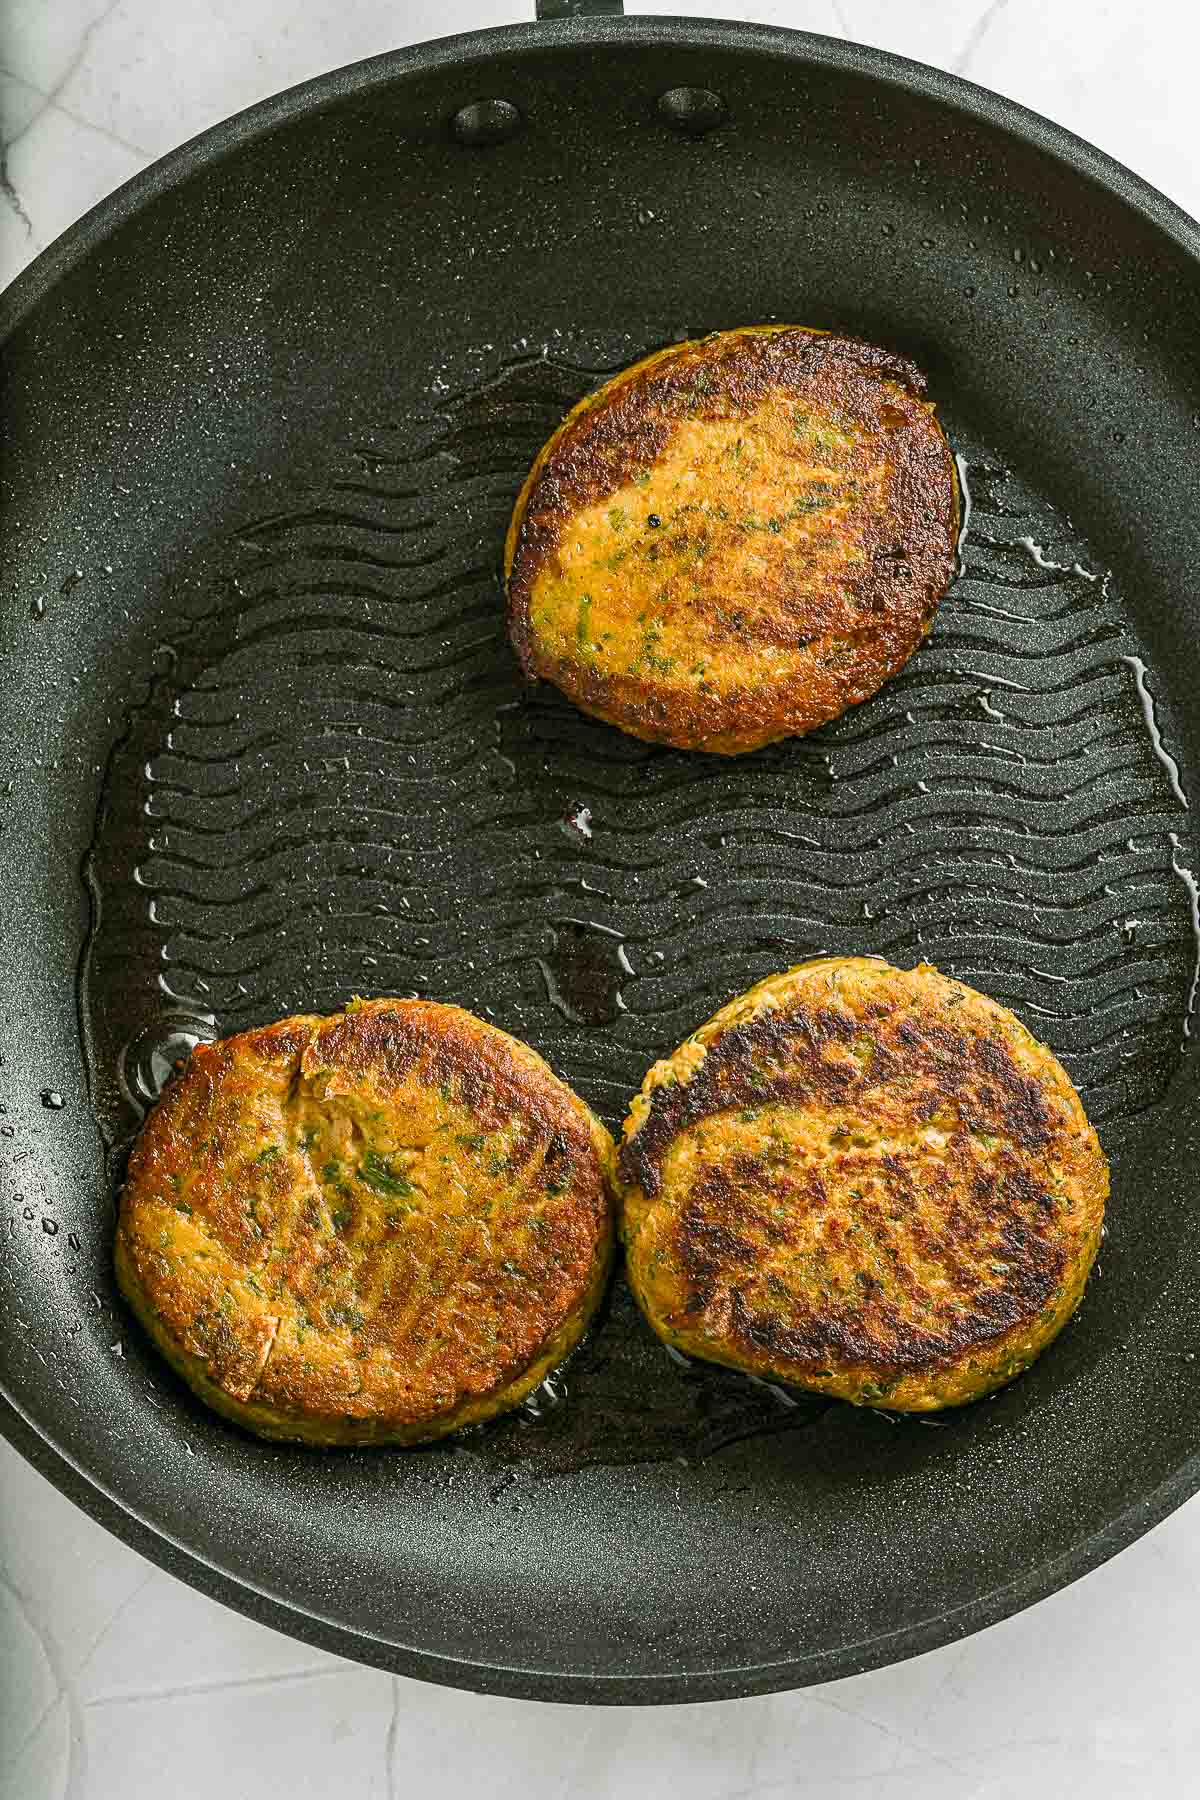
[262, 689]
[339, 784]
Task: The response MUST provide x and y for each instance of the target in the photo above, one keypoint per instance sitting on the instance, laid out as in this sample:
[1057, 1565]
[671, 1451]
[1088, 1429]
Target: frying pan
[264, 747]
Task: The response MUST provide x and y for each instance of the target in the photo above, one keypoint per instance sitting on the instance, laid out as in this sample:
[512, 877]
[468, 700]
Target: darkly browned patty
[735, 539]
[864, 1180]
[375, 1227]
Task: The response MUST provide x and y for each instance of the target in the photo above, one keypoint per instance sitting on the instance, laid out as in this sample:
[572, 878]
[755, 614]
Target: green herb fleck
[378, 1176]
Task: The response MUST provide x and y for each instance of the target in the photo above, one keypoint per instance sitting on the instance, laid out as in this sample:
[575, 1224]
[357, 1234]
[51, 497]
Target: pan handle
[578, 9]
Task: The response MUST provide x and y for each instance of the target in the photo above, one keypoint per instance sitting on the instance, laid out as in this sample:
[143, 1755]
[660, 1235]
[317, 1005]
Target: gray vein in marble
[188, 1690]
[390, 1743]
[978, 32]
[64, 1694]
[954, 1657]
[85, 38]
[50, 104]
[51, 99]
[118, 1612]
[10, 193]
[905, 1742]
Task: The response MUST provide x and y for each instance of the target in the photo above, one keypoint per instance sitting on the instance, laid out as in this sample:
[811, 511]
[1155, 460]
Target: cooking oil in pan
[585, 972]
[338, 783]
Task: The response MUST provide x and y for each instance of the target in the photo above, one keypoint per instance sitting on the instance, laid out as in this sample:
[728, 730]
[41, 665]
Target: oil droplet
[148, 1063]
[1038, 555]
[52, 1100]
[50, 1227]
[1185, 875]
[546, 1397]
[37, 607]
[1129, 931]
[964, 500]
[70, 580]
[1146, 698]
[577, 822]
[118, 1349]
[585, 971]
[777, 1393]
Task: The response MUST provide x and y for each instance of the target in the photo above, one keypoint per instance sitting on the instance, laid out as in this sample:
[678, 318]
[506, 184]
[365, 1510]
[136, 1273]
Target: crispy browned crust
[761, 626]
[375, 1227]
[864, 1180]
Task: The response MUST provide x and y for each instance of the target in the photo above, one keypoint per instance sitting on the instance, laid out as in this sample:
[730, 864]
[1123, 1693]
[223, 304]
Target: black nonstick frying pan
[264, 746]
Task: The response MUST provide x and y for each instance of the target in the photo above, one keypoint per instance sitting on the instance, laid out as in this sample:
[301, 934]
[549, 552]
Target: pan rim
[685, 1687]
[88, 1490]
[770, 41]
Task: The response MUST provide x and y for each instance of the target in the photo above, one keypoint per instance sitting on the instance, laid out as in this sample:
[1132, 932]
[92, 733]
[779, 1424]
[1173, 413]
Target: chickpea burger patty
[867, 1181]
[735, 539]
[371, 1228]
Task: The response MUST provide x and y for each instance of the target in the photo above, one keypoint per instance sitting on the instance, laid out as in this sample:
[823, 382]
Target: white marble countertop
[118, 1682]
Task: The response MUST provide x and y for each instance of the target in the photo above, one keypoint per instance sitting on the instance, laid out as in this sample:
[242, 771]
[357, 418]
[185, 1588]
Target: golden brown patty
[864, 1180]
[735, 539]
[372, 1228]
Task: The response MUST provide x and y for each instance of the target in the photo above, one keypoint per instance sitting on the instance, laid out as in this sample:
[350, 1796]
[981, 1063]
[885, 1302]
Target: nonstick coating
[265, 412]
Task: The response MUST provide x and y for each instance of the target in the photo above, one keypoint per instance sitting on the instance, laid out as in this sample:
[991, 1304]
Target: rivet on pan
[485, 122]
[693, 109]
